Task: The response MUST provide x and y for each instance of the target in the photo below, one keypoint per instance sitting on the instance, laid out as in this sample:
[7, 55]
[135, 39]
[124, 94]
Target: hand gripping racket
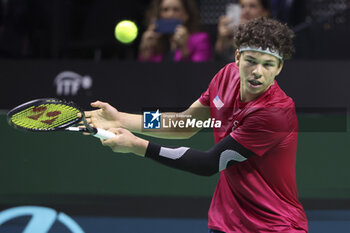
[50, 114]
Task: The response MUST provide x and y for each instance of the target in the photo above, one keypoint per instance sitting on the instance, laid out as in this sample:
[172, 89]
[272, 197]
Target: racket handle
[104, 134]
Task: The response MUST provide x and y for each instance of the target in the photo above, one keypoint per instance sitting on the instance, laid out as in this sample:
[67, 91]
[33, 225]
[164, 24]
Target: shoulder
[229, 72]
[277, 98]
[226, 80]
[274, 111]
[273, 118]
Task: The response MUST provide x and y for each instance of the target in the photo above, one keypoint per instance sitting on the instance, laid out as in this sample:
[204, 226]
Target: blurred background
[67, 49]
[83, 29]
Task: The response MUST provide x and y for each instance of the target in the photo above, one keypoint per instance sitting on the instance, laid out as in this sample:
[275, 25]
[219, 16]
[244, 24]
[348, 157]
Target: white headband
[267, 51]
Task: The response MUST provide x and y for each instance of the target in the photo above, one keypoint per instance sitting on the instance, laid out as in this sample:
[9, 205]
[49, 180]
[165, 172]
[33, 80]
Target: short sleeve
[262, 129]
[204, 99]
[205, 96]
[227, 72]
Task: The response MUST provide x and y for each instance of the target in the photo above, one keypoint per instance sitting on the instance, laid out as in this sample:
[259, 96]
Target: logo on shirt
[151, 120]
[218, 103]
[235, 124]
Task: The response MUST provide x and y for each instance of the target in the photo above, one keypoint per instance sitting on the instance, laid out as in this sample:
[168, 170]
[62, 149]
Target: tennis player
[255, 150]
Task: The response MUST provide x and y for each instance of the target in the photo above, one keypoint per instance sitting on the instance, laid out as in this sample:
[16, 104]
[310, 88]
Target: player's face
[257, 71]
[251, 9]
[173, 9]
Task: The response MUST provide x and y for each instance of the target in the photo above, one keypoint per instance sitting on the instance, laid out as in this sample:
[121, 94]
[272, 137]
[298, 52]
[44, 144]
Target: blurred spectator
[185, 43]
[250, 9]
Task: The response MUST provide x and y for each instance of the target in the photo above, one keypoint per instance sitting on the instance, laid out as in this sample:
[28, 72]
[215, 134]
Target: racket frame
[65, 126]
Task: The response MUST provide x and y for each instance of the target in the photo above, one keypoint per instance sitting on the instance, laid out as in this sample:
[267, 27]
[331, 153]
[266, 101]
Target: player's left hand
[126, 142]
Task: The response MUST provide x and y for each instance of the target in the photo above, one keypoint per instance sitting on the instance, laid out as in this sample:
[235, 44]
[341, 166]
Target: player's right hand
[105, 117]
[126, 142]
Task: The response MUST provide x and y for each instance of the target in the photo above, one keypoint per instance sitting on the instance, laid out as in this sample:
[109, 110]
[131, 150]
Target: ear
[237, 57]
[280, 68]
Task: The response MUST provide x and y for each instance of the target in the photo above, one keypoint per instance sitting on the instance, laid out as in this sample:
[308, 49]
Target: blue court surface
[330, 221]
[319, 222]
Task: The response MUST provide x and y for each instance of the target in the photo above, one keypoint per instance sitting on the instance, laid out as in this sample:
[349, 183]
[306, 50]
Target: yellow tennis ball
[126, 31]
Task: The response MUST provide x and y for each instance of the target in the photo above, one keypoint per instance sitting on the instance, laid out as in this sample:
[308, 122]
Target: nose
[170, 14]
[257, 72]
[245, 13]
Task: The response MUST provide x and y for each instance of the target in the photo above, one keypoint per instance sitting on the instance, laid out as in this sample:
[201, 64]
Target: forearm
[196, 111]
[134, 123]
[224, 154]
[206, 163]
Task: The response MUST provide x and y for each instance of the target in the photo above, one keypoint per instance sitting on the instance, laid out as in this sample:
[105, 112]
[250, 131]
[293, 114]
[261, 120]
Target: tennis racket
[50, 114]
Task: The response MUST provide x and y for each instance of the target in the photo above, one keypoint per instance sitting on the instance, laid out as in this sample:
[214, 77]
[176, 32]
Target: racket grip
[104, 134]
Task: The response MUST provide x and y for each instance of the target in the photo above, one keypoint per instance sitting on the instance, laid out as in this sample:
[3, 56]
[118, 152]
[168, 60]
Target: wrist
[140, 146]
[121, 122]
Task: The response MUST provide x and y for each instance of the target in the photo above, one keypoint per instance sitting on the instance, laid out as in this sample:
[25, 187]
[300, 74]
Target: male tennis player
[255, 150]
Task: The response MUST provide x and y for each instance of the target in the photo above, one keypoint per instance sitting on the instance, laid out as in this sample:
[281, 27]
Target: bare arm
[107, 117]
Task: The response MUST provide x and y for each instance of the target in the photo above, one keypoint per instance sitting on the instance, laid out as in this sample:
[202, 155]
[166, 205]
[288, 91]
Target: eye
[269, 65]
[251, 61]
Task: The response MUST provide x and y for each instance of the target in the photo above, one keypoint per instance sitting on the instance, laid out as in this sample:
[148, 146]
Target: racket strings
[45, 116]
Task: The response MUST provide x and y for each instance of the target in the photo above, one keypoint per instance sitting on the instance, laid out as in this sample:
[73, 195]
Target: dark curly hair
[266, 33]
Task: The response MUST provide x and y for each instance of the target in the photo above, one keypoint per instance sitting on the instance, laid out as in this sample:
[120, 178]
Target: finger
[116, 131]
[225, 18]
[99, 104]
[86, 114]
[108, 142]
[152, 27]
[222, 17]
[88, 120]
[180, 29]
[103, 142]
[156, 36]
[84, 125]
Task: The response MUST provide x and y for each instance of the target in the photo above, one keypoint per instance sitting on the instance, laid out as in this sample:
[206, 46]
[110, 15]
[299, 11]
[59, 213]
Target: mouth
[255, 83]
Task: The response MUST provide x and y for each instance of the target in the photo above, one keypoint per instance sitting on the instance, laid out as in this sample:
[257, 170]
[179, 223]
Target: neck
[244, 97]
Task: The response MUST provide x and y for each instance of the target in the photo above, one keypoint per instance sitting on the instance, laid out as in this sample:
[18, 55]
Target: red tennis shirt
[259, 194]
